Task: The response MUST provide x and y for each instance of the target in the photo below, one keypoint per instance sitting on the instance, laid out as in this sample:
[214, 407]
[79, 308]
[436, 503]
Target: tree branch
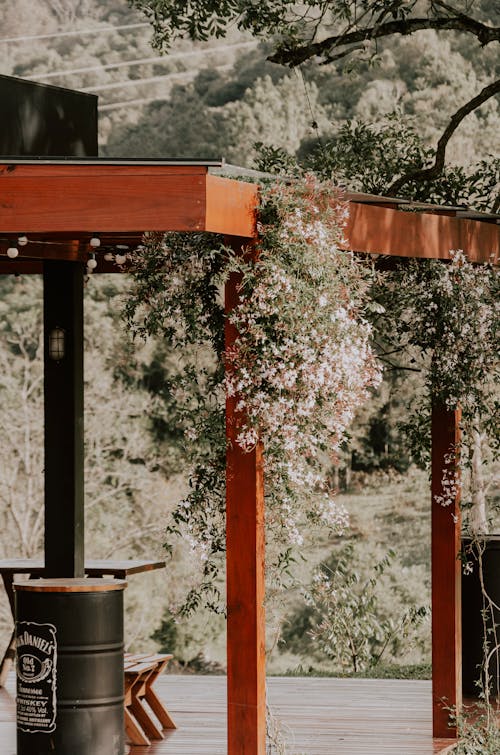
[428, 174]
[403, 367]
[293, 56]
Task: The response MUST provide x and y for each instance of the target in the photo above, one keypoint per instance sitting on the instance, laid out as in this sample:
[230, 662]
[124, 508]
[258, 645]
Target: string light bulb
[91, 263]
[22, 240]
[95, 242]
[12, 252]
[121, 259]
[108, 257]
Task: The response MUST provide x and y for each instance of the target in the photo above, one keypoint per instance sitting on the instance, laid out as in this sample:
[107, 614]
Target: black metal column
[63, 377]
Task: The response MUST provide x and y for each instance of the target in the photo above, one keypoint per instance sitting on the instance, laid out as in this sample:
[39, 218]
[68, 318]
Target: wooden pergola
[59, 205]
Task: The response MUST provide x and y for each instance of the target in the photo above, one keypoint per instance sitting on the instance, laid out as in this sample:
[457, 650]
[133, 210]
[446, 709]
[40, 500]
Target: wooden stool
[141, 672]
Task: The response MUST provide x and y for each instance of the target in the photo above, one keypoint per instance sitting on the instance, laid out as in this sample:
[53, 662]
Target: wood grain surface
[446, 573]
[70, 584]
[245, 567]
[384, 230]
[317, 716]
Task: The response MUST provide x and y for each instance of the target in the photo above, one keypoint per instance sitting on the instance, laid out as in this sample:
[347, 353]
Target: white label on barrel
[36, 648]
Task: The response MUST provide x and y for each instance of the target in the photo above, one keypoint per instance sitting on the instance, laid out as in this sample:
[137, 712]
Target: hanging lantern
[57, 344]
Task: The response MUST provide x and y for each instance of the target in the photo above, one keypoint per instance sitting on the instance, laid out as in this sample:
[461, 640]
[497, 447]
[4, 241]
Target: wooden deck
[317, 716]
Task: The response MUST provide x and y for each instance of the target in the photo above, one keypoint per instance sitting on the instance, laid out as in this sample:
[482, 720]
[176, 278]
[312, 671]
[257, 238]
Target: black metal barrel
[69, 647]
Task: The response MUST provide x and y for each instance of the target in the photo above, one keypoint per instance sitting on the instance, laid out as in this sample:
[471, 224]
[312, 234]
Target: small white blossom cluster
[450, 487]
[333, 514]
[467, 567]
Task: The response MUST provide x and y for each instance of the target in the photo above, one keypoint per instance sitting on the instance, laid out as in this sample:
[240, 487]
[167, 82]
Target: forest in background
[211, 100]
[232, 97]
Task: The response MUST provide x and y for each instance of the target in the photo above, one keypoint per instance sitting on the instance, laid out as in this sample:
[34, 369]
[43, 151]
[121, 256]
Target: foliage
[368, 157]
[299, 387]
[176, 295]
[296, 389]
[181, 127]
[478, 731]
[447, 317]
[386, 511]
[187, 126]
[375, 440]
[21, 421]
[338, 30]
[299, 27]
[423, 73]
[347, 624]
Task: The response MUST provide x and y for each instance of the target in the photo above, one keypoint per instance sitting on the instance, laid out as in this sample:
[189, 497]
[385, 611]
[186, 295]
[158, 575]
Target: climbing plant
[443, 319]
[300, 366]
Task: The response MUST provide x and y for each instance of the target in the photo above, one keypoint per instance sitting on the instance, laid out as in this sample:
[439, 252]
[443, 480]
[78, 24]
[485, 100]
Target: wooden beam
[21, 267]
[231, 206]
[63, 382]
[63, 198]
[381, 230]
[446, 573]
[79, 198]
[245, 542]
[70, 251]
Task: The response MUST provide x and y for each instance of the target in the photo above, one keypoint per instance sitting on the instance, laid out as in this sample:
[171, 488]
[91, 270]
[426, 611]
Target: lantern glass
[57, 344]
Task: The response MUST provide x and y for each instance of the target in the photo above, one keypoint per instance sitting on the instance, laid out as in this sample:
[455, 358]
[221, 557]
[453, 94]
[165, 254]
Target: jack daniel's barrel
[69, 644]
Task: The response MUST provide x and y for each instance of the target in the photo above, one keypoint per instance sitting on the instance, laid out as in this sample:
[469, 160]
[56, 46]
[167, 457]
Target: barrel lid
[65, 584]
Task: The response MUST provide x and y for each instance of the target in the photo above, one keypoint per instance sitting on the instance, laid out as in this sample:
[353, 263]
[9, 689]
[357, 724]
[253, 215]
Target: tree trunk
[479, 521]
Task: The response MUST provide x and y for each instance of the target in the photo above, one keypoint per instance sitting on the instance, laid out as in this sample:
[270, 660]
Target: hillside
[218, 98]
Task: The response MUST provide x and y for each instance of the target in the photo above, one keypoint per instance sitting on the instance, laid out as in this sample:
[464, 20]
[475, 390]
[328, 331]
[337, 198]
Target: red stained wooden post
[446, 574]
[245, 541]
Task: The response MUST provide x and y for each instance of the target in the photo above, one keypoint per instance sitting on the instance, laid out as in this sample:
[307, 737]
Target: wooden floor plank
[316, 716]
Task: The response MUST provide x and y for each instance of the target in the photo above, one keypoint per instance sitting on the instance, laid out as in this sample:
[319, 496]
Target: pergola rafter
[60, 204]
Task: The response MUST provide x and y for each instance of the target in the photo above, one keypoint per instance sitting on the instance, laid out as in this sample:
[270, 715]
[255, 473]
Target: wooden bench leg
[159, 709]
[145, 720]
[152, 699]
[135, 732]
[145, 713]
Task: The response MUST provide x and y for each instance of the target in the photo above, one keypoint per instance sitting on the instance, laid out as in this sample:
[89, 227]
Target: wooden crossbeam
[127, 199]
[384, 230]
[93, 198]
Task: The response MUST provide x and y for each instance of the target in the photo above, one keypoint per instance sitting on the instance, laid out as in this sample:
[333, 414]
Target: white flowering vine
[300, 367]
[302, 362]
